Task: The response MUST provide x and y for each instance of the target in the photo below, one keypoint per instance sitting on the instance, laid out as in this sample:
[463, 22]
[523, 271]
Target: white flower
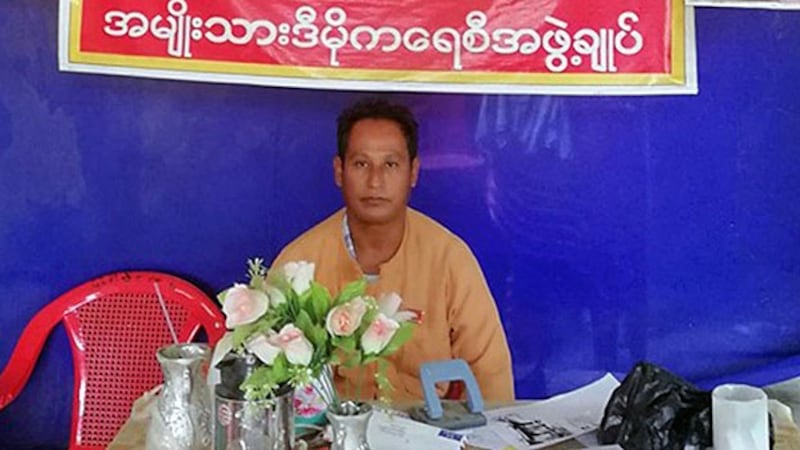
[378, 335]
[389, 305]
[345, 319]
[299, 274]
[263, 348]
[243, 305]
[275, 295]
[291, 340]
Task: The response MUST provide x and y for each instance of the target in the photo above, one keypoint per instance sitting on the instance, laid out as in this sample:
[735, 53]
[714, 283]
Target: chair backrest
[115, 324]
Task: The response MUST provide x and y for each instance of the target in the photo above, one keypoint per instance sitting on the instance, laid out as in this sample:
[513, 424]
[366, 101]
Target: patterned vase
[349, 422]
[182, 420]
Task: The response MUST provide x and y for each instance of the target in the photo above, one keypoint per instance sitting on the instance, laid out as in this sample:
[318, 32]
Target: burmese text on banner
[510, 46]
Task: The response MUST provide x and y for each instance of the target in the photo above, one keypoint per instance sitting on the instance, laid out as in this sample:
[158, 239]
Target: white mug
[739, 418]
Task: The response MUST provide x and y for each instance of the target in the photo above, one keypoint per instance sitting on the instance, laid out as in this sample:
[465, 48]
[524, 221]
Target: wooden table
[132, 435]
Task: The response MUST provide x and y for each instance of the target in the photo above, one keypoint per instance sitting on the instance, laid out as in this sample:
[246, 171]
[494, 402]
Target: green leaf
[277, 278]
[266, 323]
[304, 323]
[292, 304]
[353, 360]
[280, 369]
[320, 301]
[256, 283]
[351, 291]
[260, 377]
[319, 357]
[243, 332]
[347, 353]
[401, 336]
[369, 359]
[303, 299]
[280, 312]
[319, 337]
[347, 344]
[367, 320]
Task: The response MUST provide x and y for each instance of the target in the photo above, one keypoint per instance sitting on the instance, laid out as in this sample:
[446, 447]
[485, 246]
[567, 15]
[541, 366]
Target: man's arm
[476, 334]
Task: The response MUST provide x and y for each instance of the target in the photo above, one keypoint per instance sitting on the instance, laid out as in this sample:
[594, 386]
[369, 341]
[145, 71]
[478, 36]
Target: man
[397, 249]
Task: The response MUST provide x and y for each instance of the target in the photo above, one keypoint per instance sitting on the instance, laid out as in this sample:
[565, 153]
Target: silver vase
[182, 419]
[325, 386]
[240, 424]
[349, 422]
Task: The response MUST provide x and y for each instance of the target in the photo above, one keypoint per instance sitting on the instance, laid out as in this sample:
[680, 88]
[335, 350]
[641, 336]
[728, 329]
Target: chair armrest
[23, 359]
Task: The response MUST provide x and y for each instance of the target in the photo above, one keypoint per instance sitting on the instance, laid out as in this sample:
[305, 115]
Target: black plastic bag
[655, 410]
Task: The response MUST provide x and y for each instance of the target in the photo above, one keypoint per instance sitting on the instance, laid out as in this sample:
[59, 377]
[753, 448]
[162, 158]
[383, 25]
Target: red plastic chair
[115, 325]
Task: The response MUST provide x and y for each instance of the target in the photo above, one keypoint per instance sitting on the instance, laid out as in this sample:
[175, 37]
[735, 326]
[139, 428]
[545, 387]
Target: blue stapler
[450, 414]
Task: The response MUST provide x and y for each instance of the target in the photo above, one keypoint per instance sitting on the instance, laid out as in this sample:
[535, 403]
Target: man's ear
[414, 171]
[337, 170]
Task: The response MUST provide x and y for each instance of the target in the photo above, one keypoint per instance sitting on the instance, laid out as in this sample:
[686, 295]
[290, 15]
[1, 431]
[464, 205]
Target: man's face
[376, 175]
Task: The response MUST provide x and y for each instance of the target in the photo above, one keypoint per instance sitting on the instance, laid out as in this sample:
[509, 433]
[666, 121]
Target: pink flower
[291, 340]
[389, 305]
[263, 347]
[243, 305]
[345, 319]
[379, 333]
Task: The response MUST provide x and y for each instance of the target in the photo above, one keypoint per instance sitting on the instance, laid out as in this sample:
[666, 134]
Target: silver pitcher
[182, 419]
[349, 422]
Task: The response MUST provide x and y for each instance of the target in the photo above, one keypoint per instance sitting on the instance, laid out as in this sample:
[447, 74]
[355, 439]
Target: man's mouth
[374, 200]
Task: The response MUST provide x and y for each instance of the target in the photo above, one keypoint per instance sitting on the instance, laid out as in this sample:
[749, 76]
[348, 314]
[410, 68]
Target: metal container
[239, 424]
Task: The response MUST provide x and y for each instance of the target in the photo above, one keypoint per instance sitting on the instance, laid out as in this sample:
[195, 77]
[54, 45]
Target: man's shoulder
[433, 233]
[316, 237]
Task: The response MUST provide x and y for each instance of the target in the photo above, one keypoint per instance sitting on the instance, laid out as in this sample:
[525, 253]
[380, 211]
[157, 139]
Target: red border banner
[517, 44]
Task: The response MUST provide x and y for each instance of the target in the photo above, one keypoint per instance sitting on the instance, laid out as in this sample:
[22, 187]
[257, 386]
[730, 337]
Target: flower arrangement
[296, 330]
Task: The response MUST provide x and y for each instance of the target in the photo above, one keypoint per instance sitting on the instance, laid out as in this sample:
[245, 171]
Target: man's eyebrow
[395, 152]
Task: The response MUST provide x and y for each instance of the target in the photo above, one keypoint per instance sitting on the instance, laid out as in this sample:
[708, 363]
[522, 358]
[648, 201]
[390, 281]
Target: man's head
[377, 108]
[376, 163]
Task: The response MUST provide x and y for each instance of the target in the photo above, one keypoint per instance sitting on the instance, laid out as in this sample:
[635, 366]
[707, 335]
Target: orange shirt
[433, 271]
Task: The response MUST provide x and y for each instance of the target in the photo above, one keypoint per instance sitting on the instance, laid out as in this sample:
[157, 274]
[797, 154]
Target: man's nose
[375, 177]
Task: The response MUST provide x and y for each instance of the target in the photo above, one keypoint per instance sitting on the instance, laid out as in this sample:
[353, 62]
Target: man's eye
[392, 164]
[360, 164]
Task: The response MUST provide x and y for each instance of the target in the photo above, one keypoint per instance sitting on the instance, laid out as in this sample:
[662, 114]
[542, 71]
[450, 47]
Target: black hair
[377, 108]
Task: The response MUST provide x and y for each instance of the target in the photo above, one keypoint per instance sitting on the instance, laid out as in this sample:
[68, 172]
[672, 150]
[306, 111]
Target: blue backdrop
[610, 229]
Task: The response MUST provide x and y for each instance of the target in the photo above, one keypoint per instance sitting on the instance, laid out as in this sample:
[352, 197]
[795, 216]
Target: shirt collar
[351, 248]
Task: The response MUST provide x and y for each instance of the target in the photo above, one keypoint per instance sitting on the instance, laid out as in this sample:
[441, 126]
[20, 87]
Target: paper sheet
[547, 422]
[393, 430]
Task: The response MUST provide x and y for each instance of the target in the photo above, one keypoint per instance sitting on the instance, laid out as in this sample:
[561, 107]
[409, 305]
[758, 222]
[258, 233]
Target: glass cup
[739, 418]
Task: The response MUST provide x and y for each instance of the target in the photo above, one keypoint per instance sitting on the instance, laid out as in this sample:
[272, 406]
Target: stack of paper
[393, 430]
